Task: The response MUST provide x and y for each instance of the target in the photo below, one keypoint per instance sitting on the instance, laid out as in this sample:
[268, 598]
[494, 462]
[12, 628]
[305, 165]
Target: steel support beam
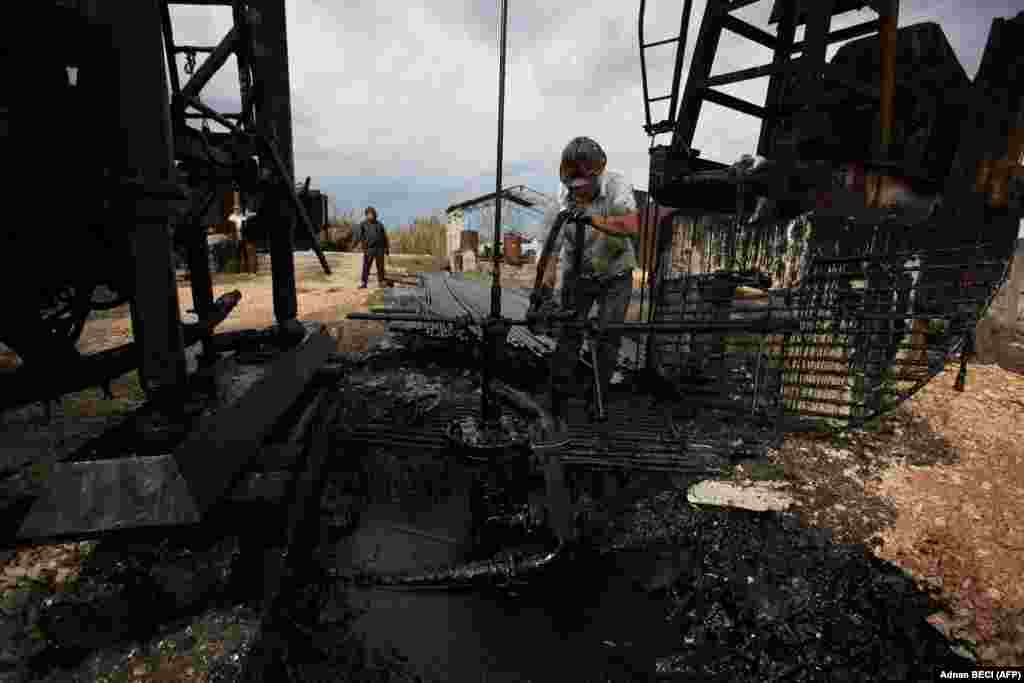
[211, 65]
[274, 118]
[748, 31]
[146, 147]
[700, 69]
[736, 103]
[865, 28]
[780, 60]
[169, 48]
[740, 4]
[745, 75]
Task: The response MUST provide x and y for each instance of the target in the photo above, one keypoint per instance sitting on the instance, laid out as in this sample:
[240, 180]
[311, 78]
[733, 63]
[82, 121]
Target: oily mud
[659, 589]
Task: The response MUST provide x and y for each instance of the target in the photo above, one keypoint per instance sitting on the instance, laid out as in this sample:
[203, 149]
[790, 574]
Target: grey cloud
[366, 19]
[609, 64]
[442, 140]
[529, 24]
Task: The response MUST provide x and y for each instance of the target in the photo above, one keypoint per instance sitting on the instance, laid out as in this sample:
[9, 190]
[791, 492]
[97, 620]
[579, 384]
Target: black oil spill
[669, 592]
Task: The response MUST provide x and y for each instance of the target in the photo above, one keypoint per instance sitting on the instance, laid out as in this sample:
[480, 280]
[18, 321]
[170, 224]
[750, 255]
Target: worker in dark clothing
[375, 238]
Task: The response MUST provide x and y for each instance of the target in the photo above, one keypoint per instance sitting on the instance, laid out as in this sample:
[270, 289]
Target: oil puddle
[586, 617]
[585, 621]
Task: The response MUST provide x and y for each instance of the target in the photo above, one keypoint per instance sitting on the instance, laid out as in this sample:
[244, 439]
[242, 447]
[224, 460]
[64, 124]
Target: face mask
[582, 189]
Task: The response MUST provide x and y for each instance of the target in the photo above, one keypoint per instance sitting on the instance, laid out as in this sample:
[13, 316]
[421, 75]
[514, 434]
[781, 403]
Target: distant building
[456, 214]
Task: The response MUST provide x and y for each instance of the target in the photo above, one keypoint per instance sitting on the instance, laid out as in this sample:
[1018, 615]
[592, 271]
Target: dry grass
[424, 236]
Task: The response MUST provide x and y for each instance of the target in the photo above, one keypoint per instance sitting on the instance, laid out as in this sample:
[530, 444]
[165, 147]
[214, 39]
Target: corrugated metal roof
[518, 194]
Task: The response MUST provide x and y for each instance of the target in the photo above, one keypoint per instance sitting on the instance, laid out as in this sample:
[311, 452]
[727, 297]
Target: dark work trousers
[612, 298]
[373, 255]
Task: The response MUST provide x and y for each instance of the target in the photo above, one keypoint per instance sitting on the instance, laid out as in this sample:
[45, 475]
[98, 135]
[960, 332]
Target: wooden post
[887, 80]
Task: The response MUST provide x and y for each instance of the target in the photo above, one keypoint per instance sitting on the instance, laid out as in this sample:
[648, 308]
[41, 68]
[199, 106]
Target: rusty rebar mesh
[875, 315]
[637, 435]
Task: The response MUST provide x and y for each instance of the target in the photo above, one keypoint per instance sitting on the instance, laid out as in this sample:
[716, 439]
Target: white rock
[759, 497]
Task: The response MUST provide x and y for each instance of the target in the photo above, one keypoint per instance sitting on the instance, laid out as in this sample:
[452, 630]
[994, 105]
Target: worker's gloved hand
[540, 297]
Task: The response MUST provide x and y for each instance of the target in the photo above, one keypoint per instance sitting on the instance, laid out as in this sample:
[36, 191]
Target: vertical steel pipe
[496, 284]
[489, 343]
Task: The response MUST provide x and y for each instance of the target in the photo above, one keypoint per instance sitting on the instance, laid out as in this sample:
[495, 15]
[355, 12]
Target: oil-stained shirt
[604, 256]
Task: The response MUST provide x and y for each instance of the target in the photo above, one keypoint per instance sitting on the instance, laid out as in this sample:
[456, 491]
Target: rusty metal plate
[104, 495]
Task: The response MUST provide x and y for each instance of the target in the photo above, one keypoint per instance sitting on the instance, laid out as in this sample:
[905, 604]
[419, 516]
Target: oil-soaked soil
[659, 590]
[696, 594]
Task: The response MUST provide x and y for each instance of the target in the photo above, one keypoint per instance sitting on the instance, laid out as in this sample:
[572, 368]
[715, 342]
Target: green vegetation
[764, 471]
[485, 278]
[232, 265]
[424, 236]
[419, 264]
[887, 386]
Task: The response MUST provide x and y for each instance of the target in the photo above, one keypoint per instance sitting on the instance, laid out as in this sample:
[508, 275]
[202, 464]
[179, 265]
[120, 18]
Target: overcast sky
[395, 104]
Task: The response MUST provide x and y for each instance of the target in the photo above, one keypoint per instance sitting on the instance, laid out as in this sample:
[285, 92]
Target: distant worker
[607, 203]
[375, 238]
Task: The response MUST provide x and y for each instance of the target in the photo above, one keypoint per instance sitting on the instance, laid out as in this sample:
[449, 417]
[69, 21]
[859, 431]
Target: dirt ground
[935, 488]
[327, 298]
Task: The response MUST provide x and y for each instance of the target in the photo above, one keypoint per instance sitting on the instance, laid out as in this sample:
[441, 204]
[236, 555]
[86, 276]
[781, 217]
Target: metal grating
[638, 437]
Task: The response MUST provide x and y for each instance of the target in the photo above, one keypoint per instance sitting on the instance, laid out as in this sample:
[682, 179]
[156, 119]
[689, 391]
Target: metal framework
[885, 292]
[158, 179]
[145, 176]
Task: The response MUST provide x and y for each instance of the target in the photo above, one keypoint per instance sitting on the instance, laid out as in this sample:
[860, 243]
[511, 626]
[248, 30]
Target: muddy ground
[706, 594]
[932, 490]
